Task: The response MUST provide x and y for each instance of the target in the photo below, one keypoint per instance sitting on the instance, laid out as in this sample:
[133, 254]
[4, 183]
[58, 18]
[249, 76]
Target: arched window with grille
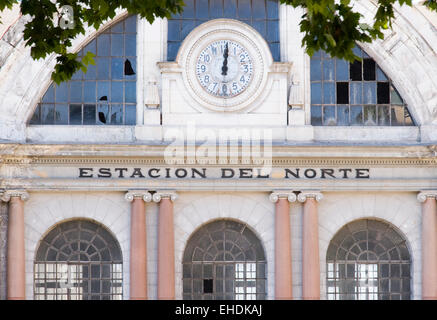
[354, 94]
[262, 15]
[368, 260]
[224, 260]
[78, 260]
[106, 93]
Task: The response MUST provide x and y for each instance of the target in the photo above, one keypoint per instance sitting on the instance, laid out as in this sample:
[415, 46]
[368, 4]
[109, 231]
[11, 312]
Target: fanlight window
[262, 15]
[106, 93]
[354, 94]
[224, 260]
[78, 260]
[368, 260]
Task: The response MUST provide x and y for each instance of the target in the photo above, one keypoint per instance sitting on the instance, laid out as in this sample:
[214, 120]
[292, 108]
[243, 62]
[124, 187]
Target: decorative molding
[8, 194]
[157, 196]
[276, 195]
[151, 99]
[138, 194]
[423, 195]
[304, 195]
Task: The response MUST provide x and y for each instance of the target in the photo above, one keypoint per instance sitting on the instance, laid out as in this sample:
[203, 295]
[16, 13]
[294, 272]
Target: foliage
[330, 25]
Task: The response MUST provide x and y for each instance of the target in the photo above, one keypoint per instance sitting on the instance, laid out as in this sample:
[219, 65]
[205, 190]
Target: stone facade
[3, 247]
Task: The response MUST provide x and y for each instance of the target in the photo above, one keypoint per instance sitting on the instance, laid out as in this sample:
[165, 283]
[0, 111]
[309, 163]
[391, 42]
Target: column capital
[138, 194]
[423, 195]
[282, 194]
[8, 194]
[304, 195]
[165, 194]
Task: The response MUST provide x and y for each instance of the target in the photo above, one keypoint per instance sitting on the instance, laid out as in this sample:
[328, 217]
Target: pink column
[429, 244]
[138, 245]
[283, 276]
[310, 246]
[16, 276]
[166, 261]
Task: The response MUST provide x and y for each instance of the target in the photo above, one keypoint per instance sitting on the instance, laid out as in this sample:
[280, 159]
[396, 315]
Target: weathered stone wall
[3, 247]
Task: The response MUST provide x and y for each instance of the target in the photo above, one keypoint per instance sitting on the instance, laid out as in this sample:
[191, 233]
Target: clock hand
[225, 61]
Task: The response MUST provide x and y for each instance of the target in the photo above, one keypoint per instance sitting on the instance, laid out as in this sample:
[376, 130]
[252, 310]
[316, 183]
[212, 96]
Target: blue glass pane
[103, 114]
[357, 51]
[317, 55]
[316, 93]
[370, 115]
[103, 91]
[356, 96]
[369, 93]
[130, 115]
[187, 27]
[90, 72]
[316, 115]
[329, 116]
[62, 92]
[116, 45]
[36, 118]
[75, 114]
[342, 70]
[47, 113]
[103, 65]
[216, 9]
[61, 114]
[276, 51]
[89, 114]
[89, 91]
[118, 28]
[49, 95]
[328, 69]
[172, 48]
[104, 45]
[260, 26]
[230, 10]
[188, 9]
[174, 30]
[380, 75]
[117, 91]
[272, 31]
[316, 70]
[130, 45]
[91, 47]
[244, 9]
[131, 24]
[117, 68]
[202, 9]
[356, 115]
[259, 9]
[329, 93]
[272, 9]
[76, 91]
[342, 115]
[130, 92]
[117, 114]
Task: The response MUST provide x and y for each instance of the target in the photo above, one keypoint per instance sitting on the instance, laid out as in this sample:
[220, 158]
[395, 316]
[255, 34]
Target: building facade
[207, 156]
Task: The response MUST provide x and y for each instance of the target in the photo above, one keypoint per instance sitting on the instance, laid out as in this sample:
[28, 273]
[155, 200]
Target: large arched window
[262, 15]
[78, 260]
[354, 94]
[106, 93]
[224, 260]
[368, 260]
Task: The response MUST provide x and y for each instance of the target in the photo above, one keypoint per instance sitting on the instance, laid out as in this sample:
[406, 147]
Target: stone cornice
[423, 195]
[282, 194]
[304, 195]
[138, 194]
[8, 194]
[165, 194]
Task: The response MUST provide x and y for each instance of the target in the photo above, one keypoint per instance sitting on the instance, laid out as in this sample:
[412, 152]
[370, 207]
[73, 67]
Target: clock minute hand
[225, 61]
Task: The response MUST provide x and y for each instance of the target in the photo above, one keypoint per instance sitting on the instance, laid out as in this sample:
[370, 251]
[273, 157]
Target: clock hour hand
[225, 61]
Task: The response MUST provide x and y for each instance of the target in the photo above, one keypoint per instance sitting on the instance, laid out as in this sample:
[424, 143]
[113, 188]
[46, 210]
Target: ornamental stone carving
[423, 195]
[276, 195]
[8, 194]
[138, 194]
[304, 195]
[157, 196]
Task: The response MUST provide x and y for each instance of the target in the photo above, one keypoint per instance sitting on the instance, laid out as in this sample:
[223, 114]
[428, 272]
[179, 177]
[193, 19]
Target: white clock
[225, 65]
[224, 68]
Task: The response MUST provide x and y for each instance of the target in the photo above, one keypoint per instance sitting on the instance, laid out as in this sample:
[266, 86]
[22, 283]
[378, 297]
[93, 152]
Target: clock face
[224, 68]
